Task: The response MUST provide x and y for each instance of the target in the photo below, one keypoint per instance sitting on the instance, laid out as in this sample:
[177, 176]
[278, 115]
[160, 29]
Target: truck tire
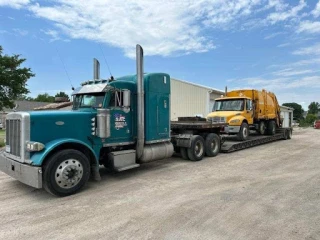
[212, 145]
[271, 130]
[244, 132]
[197, 149]
[262, 128]
[184, 153]
[66, 172]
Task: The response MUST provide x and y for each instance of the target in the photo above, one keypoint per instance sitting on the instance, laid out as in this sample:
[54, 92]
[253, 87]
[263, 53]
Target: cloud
[284, 45]
[20, 31]
[312, 50]
[282, 15]
[52, 33]
[316, 11]
[14, 3]
[273, 35]
[283, 83]
[164, 28]
[309, 27]
[291, 72]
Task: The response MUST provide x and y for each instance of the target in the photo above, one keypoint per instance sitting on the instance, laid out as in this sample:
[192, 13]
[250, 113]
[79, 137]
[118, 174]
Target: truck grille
[13, 136]
[218, 119]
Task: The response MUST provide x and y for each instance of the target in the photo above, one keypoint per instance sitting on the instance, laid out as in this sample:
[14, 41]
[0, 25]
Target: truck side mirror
[126, 98]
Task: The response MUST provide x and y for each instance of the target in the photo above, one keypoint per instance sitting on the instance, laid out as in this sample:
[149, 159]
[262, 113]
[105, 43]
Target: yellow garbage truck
[245, 110]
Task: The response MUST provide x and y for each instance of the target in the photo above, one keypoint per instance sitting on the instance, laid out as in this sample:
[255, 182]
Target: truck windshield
[229, 105]
[91, 100]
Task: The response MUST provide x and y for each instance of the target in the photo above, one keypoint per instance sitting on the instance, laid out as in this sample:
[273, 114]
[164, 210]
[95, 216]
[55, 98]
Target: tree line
[45, 97]
[298, 112]
[13, 82]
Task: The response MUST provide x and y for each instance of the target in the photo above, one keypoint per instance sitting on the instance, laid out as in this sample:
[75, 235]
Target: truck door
[249, 113]
[120, 119]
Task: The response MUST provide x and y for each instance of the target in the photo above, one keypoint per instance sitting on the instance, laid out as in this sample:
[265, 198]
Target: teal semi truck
[118, 123]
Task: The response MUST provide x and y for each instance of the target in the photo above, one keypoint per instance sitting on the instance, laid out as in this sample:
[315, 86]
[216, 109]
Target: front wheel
[244, 132]
[66, 172]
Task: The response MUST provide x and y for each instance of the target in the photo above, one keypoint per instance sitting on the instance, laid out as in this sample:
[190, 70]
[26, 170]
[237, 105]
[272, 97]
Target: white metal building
[287, 114]
[189, 99]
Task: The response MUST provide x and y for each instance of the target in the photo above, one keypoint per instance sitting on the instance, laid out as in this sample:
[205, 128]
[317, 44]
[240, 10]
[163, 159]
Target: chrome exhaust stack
[140, 102]
[96, 69]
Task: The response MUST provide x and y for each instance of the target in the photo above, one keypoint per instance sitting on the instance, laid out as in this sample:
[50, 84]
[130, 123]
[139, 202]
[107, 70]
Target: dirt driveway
[266, 192]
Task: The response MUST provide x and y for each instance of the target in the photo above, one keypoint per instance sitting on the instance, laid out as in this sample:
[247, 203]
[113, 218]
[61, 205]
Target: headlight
[34, 146]
[235, 121]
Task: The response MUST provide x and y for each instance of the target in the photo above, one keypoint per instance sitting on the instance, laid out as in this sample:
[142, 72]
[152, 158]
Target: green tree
[314, 108]
[44, 98]
[62, 94]
[13, 79]
[310, 118]
[298, 110]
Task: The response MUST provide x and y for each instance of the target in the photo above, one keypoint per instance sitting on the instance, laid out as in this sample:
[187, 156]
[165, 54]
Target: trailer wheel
[197, 150]
[184, 153]
[271, 128]
[244, 132]
[262, 128]
[285, 134]
[66, 172]
[212, 145]
[289, 134]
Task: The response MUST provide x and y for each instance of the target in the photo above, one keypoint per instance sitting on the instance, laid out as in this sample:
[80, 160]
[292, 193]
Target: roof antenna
[111, 77]
[65, 69]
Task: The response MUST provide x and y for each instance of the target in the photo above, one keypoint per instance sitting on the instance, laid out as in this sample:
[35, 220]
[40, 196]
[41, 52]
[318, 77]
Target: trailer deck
[231, 144]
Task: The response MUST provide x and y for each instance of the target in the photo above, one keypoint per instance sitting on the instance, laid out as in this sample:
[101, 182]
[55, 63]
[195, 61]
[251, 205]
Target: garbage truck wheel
[244, 132]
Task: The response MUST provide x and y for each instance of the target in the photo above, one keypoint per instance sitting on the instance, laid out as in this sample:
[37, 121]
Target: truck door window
[116, 99]
[249, 104]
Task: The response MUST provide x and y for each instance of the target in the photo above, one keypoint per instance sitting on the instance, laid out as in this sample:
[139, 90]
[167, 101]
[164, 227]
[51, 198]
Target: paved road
[267, 192]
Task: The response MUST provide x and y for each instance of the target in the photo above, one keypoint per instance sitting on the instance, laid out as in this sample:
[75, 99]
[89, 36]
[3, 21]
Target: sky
[260, 44]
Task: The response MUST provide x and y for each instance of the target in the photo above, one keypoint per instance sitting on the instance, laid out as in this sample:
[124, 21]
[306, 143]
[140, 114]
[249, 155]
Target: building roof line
[198, 85]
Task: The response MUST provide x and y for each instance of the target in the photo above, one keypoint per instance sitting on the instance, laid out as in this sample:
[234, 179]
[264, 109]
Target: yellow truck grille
[218, 119]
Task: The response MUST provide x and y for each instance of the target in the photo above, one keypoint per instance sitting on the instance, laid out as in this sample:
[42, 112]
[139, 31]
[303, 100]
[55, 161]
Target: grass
[2, 135]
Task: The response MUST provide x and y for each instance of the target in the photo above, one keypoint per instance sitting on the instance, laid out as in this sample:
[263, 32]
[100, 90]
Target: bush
[310, 118]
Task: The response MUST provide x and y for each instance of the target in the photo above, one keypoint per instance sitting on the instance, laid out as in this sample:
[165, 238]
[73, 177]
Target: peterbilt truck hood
[46, 126]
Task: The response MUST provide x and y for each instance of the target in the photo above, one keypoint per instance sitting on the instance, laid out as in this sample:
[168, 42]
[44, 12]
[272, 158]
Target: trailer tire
[244, 132]
[71, 163]
[289, 134]
[184, 153]
[197, 149]
[285, 134]
[271, 128]
[212, 145]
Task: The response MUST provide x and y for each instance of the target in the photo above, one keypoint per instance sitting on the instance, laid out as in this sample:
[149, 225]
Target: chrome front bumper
[232, 129]
[27, 174]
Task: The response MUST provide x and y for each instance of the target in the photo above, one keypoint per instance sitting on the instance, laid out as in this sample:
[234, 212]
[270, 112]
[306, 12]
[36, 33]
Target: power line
[65, 69]
[105, 59]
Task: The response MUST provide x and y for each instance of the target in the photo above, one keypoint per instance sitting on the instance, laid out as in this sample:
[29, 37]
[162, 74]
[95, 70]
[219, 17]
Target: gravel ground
[266, 192]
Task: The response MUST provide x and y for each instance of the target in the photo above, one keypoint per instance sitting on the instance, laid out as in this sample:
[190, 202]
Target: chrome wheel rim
[69, 173]
[213, 145]
[198, 149]
[245, 132]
